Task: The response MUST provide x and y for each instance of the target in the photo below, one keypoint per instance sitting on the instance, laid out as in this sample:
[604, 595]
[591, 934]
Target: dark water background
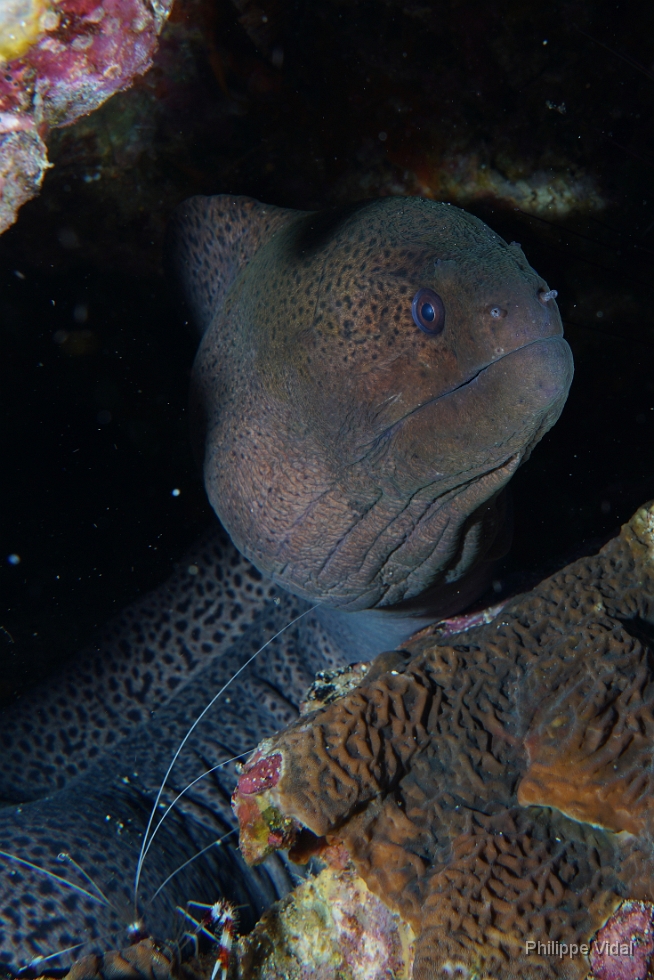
[322, 102]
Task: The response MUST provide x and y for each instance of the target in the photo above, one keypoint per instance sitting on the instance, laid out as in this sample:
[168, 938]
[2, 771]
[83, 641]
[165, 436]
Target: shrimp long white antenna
[51, 874]
[214, 843]
[65, 856]
[139, 863]
[51, 956]
[197, 779]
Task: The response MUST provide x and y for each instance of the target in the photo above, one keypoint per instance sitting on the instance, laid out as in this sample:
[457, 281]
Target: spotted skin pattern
[89, 751]
[147, 652]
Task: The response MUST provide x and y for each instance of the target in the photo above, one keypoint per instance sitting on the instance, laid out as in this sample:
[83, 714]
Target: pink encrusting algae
[260, 774]
[67, 58]
[623, 947]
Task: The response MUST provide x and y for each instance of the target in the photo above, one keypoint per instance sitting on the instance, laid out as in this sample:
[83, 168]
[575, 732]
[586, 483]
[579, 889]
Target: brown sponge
[494, 790]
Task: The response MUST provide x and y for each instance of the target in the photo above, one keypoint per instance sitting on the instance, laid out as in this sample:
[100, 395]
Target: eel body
[366, 383]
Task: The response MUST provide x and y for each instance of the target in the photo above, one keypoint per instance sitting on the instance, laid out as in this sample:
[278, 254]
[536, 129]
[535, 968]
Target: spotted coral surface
[331, 927]
[496, 790]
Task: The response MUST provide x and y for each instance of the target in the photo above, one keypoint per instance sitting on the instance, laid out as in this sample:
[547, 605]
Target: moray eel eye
[428, 311]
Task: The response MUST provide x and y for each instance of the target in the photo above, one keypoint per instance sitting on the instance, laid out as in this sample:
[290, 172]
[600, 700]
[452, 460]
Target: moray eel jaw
[491, 423]
[434, 517]
[367, 382]
[498, 414]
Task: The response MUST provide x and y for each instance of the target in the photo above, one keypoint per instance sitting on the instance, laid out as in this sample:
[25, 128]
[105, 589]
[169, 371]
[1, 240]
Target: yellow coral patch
[21, 24]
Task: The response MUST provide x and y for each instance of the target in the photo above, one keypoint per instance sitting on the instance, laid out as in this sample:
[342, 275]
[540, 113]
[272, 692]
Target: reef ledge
[493, 790]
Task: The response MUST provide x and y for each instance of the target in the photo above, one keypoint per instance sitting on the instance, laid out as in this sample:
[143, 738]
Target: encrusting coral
[331, 927]
[60, 61]
[494, 790]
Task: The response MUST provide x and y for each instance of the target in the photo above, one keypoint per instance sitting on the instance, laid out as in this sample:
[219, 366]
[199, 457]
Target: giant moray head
[368, 380]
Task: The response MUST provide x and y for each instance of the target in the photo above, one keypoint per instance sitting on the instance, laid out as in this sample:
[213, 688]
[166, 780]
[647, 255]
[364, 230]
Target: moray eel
[366, 383]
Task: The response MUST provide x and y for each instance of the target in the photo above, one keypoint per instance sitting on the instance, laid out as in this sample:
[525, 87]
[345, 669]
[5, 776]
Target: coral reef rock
[495, 791]
[145, 959]
[61, 60]
[330, 928]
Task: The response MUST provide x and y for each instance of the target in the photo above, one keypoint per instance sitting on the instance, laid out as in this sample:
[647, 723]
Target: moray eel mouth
[420, 590]
[468, 381]
[416, 507]
[440, 506]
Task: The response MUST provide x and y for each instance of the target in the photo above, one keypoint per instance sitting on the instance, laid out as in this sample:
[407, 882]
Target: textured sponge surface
[498, 790]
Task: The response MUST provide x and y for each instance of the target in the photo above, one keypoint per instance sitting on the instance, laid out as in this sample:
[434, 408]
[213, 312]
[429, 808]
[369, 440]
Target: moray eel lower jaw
[394, 551]
[380, 530]
[363, 634]
[498, 413]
